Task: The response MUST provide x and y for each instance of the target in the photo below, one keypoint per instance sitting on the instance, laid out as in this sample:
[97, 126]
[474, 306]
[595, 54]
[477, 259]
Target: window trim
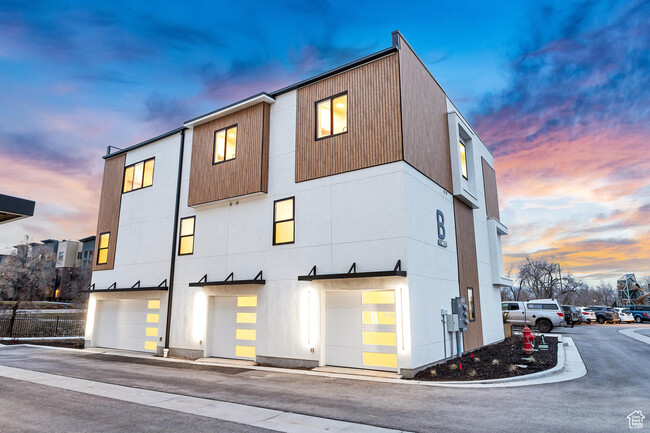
[225, 148]
[144, 163]
[470, 306]
[181, 236]
[347, 116]
[293, 214]
[99, 247]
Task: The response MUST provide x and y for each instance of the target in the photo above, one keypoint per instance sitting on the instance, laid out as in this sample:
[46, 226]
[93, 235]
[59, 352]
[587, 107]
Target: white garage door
[129, 324]
[360, 329]
[233, 327]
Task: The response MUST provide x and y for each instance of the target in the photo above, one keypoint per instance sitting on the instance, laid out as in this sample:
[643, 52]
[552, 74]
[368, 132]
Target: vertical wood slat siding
[374, 133]
[109, 208]
[468, 270]
[246, 174]
[490, 188]
[424, 120]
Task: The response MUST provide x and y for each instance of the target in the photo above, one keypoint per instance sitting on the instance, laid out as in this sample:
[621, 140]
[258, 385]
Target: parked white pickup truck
[543, 314]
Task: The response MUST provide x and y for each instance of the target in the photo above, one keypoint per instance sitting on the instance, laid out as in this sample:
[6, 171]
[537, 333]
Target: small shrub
[495, 362]
[477, 359]
[433, 372]
[512, 368]
[453, 366]
[472, 373]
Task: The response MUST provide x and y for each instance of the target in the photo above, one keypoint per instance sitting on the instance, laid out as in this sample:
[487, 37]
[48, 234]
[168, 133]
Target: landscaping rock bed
[496, 361]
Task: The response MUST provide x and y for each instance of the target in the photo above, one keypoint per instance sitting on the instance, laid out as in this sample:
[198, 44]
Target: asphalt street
[616, 385]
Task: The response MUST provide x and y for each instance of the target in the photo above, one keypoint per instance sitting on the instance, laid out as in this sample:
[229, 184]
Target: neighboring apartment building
[326, 223]
[72, 257]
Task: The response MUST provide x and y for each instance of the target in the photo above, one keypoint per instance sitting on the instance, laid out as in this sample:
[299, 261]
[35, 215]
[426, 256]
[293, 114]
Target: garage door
[360, 329]
[130, 324]
[233, 327]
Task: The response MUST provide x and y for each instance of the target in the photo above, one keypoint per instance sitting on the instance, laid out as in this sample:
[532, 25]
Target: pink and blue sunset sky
[559, 90]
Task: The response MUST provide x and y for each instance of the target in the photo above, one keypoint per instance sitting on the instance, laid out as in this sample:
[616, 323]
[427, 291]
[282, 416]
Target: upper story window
[332, 116]
[137, 176]
[470, 304]
[463, 159]
[225, 144]
[283, 221]
[186, 242]
[102, 252]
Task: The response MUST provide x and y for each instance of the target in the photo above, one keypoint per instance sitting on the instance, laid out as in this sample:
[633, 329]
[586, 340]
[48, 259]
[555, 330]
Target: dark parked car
[640, 312]
[604, 314]
[571, 315]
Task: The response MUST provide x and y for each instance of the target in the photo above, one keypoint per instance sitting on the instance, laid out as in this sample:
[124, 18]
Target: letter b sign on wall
[440, 217]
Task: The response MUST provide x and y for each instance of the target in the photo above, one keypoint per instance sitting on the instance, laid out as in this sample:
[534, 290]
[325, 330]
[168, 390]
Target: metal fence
[55, 326]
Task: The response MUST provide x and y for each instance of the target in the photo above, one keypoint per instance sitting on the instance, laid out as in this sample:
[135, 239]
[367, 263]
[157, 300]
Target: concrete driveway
[615, 386]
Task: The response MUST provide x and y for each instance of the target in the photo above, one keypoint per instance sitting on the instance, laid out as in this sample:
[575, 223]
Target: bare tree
[539, 277]
[27, 274]
[79, 280]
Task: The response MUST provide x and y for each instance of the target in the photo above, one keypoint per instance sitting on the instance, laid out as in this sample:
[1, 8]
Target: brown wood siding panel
[240, 176]
[468, 270]
[109, 208]
[374, 122]
[490, 190]
[424, 120]
[265, 147]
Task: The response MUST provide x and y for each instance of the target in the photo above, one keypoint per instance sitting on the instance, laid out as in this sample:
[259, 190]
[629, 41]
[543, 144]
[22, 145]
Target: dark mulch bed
[495, 361]
[72, 343]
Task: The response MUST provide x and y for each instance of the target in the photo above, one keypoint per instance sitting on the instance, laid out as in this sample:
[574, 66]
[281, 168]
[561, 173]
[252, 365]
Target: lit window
[283, 221]
[463, 159]
[332, 116]
[225, 144]
[186, 242]
[470, 303]
[137, 176]
[102, 252]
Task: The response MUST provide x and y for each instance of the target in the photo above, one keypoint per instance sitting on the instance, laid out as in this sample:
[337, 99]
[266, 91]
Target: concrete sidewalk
[242, 414]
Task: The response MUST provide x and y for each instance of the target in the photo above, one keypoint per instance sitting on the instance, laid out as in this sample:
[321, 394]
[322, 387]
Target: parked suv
[571, 315]
[543, 314]
[604, 314]
[640, 312]
[588, 316]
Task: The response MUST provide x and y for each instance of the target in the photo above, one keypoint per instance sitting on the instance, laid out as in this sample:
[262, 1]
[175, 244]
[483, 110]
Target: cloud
[567, 134]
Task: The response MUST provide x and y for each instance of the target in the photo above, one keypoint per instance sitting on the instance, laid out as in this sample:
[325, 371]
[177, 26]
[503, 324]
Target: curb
[631, 332]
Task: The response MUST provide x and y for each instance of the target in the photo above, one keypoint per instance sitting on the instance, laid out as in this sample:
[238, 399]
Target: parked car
[543, 314]
[625, 314]
[640, 312]
[571, 315]
[588, 316]
[604, 314]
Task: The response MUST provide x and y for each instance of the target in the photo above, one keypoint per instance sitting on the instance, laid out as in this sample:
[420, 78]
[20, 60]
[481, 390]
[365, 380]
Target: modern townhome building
[325, 223]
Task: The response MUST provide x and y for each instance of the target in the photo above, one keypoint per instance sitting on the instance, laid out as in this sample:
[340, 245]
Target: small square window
[332, 116]
[225, 144]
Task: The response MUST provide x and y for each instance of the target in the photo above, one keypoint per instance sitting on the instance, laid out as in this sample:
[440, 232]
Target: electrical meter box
[452, 322]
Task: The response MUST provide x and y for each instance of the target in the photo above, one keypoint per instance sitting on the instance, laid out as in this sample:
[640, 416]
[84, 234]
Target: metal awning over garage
[352, 273]
[14, 208]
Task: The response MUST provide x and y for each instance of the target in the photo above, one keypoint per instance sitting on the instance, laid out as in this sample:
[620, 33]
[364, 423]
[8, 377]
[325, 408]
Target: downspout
[172, 266]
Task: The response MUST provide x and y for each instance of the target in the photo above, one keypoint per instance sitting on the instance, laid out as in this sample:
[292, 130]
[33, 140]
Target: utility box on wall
[452, 322]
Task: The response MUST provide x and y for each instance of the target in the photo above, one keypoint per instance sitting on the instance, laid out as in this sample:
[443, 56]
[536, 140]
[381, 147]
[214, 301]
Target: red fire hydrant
[528, 341]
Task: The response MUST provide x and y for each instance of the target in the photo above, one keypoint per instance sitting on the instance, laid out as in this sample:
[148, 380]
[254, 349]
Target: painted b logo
[441, 224]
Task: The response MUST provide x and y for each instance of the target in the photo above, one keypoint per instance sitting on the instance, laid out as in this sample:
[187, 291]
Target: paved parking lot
[615, 386]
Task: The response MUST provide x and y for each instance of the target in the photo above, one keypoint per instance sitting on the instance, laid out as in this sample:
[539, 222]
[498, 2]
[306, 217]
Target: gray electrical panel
[459, 308]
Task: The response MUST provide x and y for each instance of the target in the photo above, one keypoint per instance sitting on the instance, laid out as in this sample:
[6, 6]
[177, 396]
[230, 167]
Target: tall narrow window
[332, 116]
[139, 175]
[225, 144]
[102, 251]
[283, 221]
[463, 159]
[186, 242]
[470, 303]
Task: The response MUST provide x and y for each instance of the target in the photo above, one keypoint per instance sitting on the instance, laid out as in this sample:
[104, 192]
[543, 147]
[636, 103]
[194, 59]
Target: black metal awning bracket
[312, 272]
[163, 284]
[398, 266]
[230, 277]
[136, 285]
[353, 268]
[113, 286]
[258, 276]
[204, 279]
